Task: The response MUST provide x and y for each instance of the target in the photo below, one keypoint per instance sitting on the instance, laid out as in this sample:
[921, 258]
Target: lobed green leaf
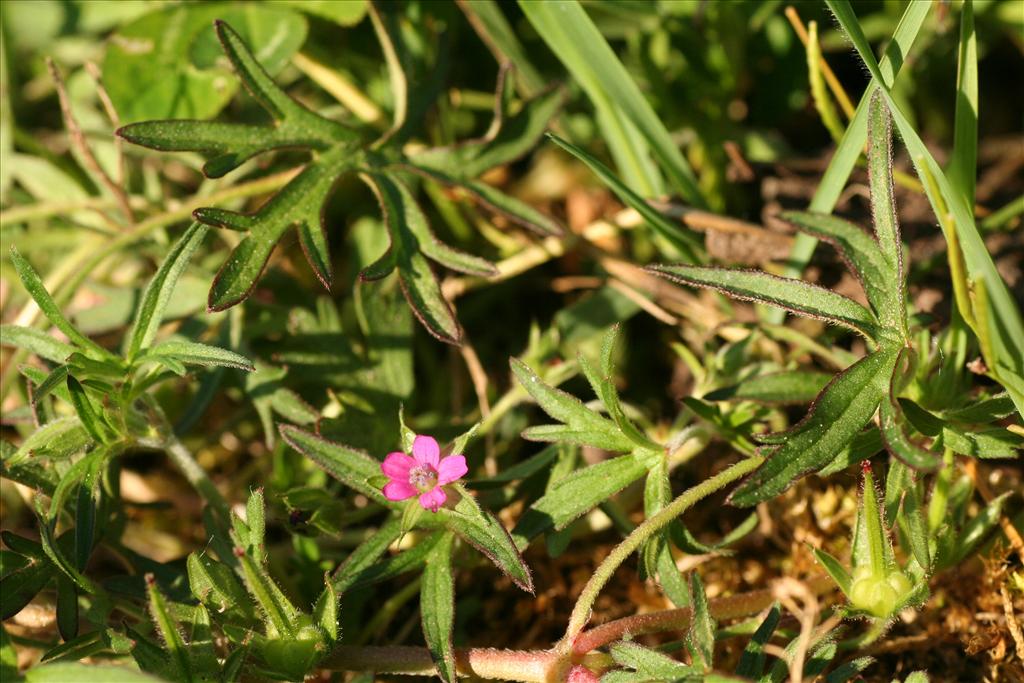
[403, 218]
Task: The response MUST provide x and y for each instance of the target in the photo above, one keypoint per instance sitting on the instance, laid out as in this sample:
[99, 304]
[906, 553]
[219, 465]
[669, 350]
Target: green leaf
[975, 531]
[351, 467]
[913, 522]
[403, 213]
[325, 611]
[682, 238]
[437, 608]
[226, 145]
[169, 631]
[483, 531]
[216, 586]
[836, 417]
[159, 289]
[195, 353]
[577, 494]
[574, 39]
[17, 588]
[652, 664]
[55, 550]
[787, 386]
[883, 204]
[88, 413]
[793, 295]
[30, 278]
[1008, 339]
[298, 204]
[849, 671]
[366, 554]
[410, 241]
[982, 411]
[700, 639]
[164, 64]
[57, 439]
[987, 443]
[849, 149]
[88, 508]
[582, 425]
[963, 164]
[509, 137]
[751, 664]
[864, 259]
[35, 341]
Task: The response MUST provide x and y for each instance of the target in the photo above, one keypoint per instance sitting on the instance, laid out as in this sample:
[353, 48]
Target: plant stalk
[581, 611]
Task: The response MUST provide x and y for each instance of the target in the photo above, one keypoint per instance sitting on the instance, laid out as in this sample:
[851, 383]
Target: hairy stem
[530, 666]
[581, 611]
[542, 666]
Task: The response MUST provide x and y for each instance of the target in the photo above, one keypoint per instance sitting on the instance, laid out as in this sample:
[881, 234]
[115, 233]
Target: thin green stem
[197, 476]
[581, 611]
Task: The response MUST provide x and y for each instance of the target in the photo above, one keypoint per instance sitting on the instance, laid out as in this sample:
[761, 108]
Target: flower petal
[397, 466]
[451, 468]
[426, 451]
[433, 499]
[399, 490]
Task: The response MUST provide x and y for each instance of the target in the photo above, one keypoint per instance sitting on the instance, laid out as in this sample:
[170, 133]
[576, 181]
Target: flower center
[423, 477]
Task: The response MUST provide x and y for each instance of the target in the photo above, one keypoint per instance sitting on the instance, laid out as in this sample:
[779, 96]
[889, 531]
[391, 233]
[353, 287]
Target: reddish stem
[541, 666]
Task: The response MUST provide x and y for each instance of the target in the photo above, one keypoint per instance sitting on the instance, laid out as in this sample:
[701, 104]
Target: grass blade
[964, 161]
[1008, 340]
[688, 243]
[850, 147]
[574, 38]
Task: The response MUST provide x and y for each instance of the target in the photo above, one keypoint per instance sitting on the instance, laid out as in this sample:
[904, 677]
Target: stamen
[423, 477]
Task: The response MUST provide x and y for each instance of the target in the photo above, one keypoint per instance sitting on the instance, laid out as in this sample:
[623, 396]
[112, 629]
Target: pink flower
[423, 473]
